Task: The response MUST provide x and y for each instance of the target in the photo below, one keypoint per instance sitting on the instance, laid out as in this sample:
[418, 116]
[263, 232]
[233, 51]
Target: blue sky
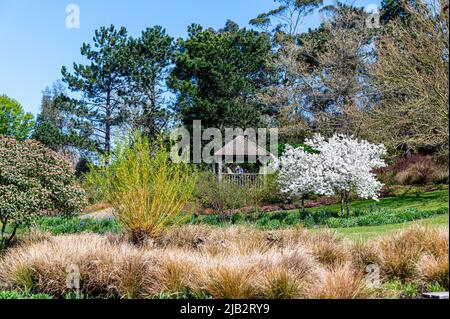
[35, 41]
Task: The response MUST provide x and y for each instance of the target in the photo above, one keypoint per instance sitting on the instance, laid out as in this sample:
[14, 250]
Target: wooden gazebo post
[219, 168]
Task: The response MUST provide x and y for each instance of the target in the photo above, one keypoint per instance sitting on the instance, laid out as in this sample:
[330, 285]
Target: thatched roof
[241, 146]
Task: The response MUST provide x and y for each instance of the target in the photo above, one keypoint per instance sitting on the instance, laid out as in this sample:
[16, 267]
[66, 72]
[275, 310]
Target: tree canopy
[14, 121]
[218, 74]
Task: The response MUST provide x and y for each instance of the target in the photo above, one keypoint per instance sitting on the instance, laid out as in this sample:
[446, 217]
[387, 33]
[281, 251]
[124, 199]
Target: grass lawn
[368, 232]
[421, 201]
[364, 213]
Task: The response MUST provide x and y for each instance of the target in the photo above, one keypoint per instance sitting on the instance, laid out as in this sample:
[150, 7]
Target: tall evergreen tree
[218, 74]
[147, 67]
[101, 85]
[285, 20]
[48, 128]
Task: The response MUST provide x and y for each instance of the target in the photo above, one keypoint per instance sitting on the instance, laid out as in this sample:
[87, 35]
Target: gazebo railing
[244, 179]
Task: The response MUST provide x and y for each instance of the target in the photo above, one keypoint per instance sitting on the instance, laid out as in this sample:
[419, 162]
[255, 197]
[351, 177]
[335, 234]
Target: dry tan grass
[364, 254]
[400, 254]
[106, 269]
[342, 282]
[434, 269]
[234, 262]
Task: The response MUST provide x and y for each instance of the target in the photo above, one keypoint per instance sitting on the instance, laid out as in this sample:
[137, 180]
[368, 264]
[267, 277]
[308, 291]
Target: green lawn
[369, 232]
[364, 214]
[421, 201]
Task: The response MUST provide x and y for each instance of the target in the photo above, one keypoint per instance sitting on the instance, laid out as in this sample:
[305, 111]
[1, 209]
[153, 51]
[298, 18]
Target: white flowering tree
[348, 166]
[342, 165]
[300, 173]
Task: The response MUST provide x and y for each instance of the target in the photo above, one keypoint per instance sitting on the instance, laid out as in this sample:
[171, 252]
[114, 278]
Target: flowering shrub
[34, 179]
[340, 165]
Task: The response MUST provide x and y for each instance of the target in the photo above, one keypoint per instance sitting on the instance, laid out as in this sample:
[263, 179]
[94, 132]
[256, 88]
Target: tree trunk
[343, 203]
[347, 198]
[303, 205]
[108, 124]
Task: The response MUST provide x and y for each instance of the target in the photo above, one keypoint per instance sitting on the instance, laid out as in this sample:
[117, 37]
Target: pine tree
[101, 85]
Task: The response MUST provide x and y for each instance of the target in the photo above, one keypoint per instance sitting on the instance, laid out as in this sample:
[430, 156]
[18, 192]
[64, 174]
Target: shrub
[420, 170]
[148, 191]
[440, 175]
[415, 169]
[34, 179]
[417, 173]
[220, 196]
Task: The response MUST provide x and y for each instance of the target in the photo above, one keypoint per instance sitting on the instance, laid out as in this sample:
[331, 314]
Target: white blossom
[301, 173]
[341, 164]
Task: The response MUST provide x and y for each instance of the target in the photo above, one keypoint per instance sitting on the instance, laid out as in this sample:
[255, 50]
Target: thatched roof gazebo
[242, 147]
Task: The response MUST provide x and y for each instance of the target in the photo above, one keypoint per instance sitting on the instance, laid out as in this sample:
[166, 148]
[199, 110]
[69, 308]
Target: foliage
[14, 122]
[71, 225]
[48, 122]
[146, 69]
[210, 193]
[322, 76]
[34, 179]
[395, 9]
[414, 170]
[21, 295]
[412, 82]
[56, 128]
[323, 217]
[147, 190]
[287, 17]
[217, 75]
[222, 196]
[101, 84]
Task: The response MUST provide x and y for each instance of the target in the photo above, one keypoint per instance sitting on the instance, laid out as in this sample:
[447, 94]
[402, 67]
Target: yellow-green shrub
[147, 190]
